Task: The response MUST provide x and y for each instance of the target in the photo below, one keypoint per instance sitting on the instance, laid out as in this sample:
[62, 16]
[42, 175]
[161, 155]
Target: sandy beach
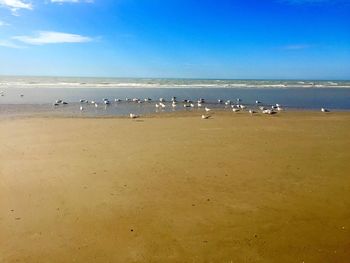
[176, 188]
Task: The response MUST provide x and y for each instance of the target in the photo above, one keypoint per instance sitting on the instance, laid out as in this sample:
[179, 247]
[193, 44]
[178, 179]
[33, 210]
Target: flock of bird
[201, 103]
[187, 103]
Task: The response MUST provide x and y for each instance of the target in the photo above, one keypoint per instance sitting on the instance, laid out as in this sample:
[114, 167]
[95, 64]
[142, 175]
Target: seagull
[199, 104]
[279, 108]
[257, 102]
[58, 101]
[235, 110]
[192, 105]
[106, 102]
[219, 101]
[162, 105]
[242, 107]
[161, 100]
[133, 116]
[269, 112]
[157, 105]
[173, 104]
[96, 105]
[251, 112]
[204, 117]
[81, 108]
[117, 100]
[324, 110]
[207, 109]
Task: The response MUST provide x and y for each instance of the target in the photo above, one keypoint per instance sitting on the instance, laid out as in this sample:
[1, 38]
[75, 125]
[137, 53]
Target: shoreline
[183, 113]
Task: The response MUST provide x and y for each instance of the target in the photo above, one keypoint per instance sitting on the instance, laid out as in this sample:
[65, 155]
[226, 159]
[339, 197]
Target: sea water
[36, 95]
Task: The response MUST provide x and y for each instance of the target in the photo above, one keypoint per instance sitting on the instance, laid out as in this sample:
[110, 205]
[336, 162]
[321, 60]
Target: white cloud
[9, 44]
[2, 23]
[51, 37]
[15, 5]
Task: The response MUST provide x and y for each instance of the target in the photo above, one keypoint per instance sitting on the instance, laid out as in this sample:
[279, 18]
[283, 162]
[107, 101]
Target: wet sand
[233, 188]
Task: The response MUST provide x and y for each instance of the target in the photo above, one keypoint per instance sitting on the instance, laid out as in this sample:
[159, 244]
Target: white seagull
[133, 116]
[207, 109]
[269, 112]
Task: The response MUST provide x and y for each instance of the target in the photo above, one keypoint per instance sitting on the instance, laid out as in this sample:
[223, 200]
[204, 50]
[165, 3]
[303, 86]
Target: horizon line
[184, 78]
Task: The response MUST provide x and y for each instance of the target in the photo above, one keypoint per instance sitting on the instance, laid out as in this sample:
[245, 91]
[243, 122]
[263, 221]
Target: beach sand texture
[233, 188]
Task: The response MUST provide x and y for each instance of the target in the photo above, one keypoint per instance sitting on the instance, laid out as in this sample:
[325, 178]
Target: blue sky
[305, 39]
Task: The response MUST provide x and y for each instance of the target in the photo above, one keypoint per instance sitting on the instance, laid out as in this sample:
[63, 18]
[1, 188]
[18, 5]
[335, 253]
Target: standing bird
[207, 109]
[133, 116]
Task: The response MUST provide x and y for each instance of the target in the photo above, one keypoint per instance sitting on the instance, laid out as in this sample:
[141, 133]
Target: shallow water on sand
[27, 101]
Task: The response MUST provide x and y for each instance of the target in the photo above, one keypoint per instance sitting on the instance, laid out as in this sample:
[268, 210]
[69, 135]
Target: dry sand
[233, 188]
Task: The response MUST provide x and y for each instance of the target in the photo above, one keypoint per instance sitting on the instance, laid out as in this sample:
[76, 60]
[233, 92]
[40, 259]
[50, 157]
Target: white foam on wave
[148, 83]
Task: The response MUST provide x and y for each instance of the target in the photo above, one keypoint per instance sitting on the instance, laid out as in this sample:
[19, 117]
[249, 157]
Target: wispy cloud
[15, 5]
[51, 37]
[9, 44]
[296, 47]
[2, 23]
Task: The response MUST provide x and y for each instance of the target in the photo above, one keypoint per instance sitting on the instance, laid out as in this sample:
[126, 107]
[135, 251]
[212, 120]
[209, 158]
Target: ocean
[36, 95]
